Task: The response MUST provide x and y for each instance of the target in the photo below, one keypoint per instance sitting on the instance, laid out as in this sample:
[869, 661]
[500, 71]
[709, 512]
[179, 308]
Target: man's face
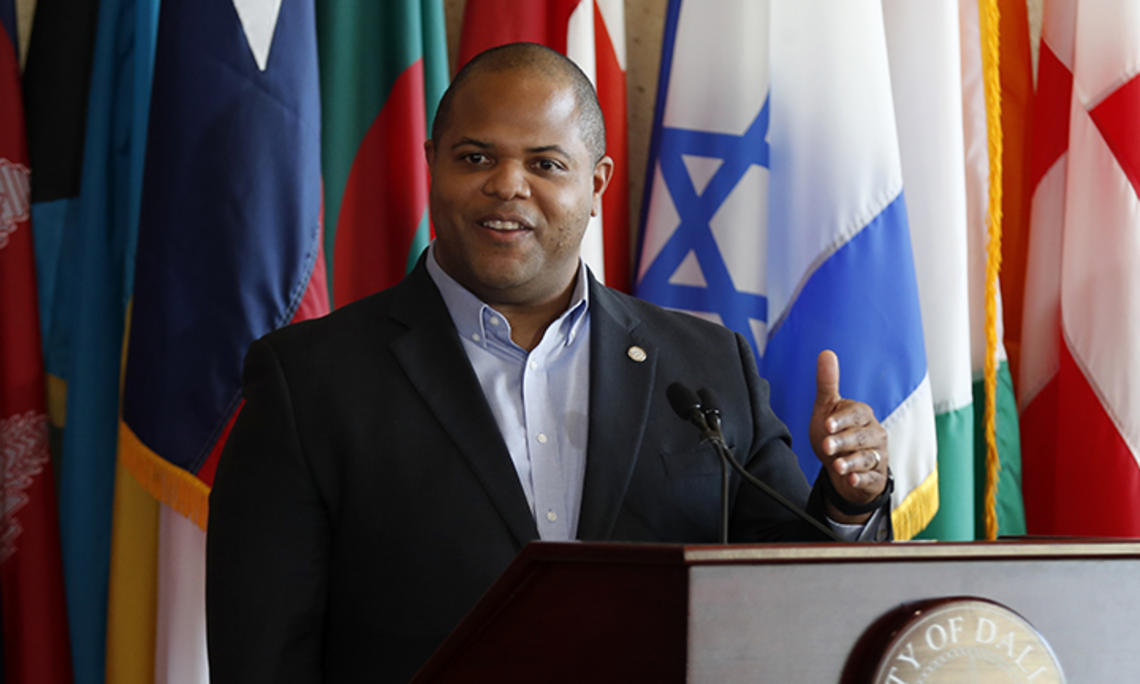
[513, 186]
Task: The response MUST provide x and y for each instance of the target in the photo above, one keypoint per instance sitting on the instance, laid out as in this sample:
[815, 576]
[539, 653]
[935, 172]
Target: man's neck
[529, 322]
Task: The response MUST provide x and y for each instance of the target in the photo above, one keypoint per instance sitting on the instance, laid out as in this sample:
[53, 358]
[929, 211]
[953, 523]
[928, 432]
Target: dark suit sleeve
[755, 516]
[267, 542]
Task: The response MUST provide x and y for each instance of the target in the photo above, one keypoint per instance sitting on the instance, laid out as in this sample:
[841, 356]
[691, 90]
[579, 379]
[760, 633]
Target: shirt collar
[469, 313]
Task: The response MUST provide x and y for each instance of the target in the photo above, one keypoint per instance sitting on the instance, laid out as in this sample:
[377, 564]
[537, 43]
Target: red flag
[1079, 369]
[31, 576]
[592, 33]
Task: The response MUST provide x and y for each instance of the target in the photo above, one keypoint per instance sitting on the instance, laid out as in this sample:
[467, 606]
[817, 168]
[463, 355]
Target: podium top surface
[915, 551]
[670, 554]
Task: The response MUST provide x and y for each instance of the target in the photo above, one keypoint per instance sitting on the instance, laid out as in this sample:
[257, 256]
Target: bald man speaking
[392, 458]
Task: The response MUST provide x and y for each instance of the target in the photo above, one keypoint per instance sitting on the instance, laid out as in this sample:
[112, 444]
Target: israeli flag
[775, 206]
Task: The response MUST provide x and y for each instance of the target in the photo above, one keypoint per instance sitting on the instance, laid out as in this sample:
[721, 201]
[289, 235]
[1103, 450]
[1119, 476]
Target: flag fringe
[917, 509]
[990, 16]
[173, 486]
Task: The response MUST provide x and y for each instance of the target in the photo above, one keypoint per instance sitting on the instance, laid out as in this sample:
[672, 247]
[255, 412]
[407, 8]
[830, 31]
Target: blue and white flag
[775, 206]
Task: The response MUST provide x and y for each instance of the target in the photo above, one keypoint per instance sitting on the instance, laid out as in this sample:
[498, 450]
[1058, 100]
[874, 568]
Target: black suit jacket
[365, 499]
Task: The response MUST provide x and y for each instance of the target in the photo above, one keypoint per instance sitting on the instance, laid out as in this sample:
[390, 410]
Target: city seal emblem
[963, 639]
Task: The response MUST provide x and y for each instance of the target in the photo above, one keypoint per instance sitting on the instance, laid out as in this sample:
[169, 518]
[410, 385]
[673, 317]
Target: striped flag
[1081, 325]
[926, 82]
[775, 206]
[937, 82]
[383, 69]
[34, 617]
[592, 33]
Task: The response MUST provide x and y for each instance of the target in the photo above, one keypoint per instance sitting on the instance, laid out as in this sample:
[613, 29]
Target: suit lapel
[622, 372]
[433, 357]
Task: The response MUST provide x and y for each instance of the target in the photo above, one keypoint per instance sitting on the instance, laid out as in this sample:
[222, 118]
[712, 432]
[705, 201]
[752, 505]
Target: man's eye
[475, 158]
[549, 165]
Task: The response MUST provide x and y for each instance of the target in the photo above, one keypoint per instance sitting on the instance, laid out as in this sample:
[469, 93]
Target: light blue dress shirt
[540, 399]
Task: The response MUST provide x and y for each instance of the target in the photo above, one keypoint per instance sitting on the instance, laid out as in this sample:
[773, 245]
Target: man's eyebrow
[548, 148]
[483, 145]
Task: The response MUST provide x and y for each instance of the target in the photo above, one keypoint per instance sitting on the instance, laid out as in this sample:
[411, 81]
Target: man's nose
[507, 181]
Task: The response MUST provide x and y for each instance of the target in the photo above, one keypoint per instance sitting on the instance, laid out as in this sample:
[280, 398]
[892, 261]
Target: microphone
[711, 409]
[685, 403]
[688, 406]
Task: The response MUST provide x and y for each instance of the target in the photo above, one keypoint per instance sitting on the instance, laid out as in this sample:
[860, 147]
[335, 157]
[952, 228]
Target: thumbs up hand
[849, 441]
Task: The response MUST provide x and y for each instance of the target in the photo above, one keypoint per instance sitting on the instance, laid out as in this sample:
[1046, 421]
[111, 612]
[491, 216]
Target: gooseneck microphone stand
[705, 415]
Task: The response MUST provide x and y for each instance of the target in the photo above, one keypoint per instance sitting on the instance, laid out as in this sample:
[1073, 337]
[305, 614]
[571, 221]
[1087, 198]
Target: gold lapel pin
[636, 353]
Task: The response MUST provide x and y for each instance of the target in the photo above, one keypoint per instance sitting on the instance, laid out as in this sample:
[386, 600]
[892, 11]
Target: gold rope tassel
[990, 16]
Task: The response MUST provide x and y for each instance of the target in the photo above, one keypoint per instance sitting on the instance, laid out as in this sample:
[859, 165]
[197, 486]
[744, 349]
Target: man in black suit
[392, 458]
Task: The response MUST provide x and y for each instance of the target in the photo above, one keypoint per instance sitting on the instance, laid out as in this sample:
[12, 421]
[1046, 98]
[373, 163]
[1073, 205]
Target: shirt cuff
[855, 532]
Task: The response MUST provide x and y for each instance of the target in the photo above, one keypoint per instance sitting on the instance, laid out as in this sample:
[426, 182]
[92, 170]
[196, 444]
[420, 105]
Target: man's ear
[429, 152]
[603, 172]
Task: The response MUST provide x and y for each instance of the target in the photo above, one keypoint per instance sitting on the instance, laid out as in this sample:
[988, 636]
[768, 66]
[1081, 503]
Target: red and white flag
[592, 33]
[35, 640]
[1080, 371]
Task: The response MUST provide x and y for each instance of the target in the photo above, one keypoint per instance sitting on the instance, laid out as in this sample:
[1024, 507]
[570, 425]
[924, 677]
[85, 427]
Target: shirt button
[551, 516]
[541, 438]
[534, 365]
[475, 336]
[493, 321]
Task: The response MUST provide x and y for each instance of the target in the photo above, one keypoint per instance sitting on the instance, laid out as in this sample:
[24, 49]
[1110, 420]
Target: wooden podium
[780, 613]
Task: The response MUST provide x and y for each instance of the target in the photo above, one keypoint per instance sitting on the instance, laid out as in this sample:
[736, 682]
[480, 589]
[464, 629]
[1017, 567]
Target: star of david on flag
[693, 237]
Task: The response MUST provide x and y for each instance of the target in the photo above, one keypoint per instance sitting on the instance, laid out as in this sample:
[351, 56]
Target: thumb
[827, 378]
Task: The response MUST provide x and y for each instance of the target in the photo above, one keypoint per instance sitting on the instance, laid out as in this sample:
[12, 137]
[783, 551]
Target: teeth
[495, 224]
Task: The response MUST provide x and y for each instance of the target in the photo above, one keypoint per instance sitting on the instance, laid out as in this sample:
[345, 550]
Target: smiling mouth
[502, 226]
